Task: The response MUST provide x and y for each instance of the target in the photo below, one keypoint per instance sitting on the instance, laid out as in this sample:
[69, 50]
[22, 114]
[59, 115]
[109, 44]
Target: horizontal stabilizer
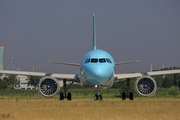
[64, 63]
[121, 63]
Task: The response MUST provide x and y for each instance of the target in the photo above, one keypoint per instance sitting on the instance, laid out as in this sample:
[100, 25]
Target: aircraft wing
[164, 72]
[71, 77]
[123, 77]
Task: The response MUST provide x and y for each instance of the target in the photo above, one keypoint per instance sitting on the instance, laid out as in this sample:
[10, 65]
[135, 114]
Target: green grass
[77, 94]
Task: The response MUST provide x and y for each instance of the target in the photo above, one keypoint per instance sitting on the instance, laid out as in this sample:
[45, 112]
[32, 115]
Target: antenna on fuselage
[94, 33]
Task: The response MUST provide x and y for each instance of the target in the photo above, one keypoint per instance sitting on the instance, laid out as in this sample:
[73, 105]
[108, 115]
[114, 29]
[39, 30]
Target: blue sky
[52, 30]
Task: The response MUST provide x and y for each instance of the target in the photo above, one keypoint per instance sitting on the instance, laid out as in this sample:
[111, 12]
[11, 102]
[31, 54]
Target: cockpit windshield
[95, 60]
[87, 60]
[108, 60]
[102, 60]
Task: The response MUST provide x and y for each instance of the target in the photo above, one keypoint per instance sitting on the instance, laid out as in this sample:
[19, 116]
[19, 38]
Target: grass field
[78, 94]
[88, 109]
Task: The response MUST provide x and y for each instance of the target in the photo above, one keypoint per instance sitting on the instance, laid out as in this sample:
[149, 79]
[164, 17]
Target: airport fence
[78, 94]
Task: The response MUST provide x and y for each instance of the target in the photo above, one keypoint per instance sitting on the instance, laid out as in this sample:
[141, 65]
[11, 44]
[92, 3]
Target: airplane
[97, 70]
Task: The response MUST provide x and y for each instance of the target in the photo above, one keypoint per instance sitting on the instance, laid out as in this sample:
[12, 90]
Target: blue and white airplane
[97, 69]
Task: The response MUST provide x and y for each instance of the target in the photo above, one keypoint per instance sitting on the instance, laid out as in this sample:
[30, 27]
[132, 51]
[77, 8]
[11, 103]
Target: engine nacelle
[145, 86]
[49, 86]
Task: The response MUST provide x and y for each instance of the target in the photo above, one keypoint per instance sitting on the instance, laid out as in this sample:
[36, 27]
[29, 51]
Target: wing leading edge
[123, 77]
[72, 77]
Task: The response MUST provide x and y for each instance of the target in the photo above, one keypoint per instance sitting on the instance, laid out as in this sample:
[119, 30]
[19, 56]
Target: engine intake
[145, 86]
[49, 86]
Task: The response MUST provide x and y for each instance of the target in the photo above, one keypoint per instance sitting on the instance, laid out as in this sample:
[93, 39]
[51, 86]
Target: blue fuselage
[97, 67]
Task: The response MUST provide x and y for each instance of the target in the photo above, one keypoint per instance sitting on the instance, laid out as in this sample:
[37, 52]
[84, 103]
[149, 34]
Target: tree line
[166, 81]
[8, 82]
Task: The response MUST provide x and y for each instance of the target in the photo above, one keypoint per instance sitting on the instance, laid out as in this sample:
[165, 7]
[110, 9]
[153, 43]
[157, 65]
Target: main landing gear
[97, 96]
[65, 95]
[124, 95]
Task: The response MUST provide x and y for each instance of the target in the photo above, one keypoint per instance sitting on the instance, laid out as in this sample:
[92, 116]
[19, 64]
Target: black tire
[61, 96]
[123, 96]
[69, 96]
[96, 97]
[131, 96]
[100, 97]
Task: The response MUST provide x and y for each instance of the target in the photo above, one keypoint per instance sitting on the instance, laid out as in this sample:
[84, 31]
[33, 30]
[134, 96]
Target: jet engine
[145, 86]
[49, 86]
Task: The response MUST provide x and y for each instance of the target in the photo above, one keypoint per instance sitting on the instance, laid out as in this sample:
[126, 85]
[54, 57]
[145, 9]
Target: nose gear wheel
[98, 96]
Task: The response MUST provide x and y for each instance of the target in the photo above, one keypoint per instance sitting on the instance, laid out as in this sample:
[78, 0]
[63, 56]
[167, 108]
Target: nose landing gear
[98, 96]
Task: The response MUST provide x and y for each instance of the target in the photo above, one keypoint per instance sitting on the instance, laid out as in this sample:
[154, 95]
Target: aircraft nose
[101, 75]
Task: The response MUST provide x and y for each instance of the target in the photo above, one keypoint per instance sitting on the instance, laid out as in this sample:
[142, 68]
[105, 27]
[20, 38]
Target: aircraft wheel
[131, 96]
[100, 97]
[69, 96]
[61, 96]
[123, 96]
[96, 97]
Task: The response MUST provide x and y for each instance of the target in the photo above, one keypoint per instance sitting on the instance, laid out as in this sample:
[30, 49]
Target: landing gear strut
[98, 96]
[62, 96]
[127, 94]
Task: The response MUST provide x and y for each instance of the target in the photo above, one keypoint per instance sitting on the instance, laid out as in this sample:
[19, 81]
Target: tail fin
[94, 33]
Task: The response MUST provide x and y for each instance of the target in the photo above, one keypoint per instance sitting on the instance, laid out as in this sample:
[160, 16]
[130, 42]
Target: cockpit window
[87, 60]
[94, 60]
[108, 60]
[102, 60]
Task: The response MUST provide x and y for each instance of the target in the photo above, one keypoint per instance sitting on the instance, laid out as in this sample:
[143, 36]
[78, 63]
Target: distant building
[23, 83]
[1, 57]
